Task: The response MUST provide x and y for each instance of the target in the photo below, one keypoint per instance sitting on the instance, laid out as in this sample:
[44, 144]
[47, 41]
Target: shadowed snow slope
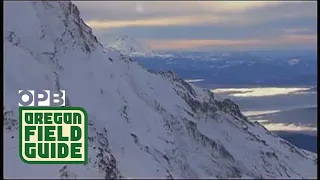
[141, 124]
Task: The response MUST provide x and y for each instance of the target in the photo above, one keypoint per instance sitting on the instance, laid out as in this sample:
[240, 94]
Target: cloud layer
[191, 25]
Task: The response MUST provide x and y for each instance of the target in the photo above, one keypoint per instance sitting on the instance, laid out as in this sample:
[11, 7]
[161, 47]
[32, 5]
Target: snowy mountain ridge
[141, 124]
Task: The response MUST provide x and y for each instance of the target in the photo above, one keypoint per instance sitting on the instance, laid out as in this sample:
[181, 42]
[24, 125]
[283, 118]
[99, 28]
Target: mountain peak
[124, 38]
[129, 45]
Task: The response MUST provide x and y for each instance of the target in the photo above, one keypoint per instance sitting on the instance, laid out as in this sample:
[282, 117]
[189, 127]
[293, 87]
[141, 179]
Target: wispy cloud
[199, 43]
[204, 19]
[163, 21]
[237, 6]
[295, 30]
[296, 38]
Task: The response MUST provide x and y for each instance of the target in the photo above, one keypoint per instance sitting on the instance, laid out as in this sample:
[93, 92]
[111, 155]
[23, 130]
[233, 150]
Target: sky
[205, 25]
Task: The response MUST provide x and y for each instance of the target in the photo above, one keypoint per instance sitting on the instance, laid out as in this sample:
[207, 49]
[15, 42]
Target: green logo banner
[53, 135]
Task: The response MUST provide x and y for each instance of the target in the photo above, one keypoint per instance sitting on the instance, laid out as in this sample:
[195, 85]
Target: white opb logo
[41, 98]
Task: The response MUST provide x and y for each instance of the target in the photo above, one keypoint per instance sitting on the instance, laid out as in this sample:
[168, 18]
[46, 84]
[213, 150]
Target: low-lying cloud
[286, 127]
[260, 92]
[194, 80]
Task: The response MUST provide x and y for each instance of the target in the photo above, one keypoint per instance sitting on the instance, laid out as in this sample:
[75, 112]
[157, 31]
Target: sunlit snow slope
[141, 124]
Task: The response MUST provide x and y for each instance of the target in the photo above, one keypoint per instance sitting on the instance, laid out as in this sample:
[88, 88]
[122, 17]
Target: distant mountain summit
[129, 45]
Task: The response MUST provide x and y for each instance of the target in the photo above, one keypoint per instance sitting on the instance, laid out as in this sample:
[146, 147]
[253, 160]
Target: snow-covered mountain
[141, 124]
[133, 48]
[128, 45]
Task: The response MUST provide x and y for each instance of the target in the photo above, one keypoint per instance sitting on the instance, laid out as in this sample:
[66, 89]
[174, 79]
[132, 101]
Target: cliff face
[141, 124]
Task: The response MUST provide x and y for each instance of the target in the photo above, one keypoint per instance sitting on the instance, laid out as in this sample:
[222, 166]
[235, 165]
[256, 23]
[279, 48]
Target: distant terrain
[239, 69]
[304, 141]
